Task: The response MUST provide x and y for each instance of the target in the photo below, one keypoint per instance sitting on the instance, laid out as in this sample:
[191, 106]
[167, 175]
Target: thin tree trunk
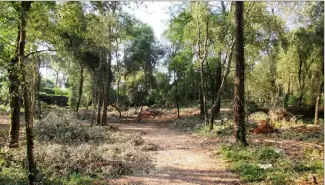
[81, 82]
[108, 74]
[239, 95]
[116, 108]
[216, 104]
[139, 115]
[100, 104]
[300, 101]
[201, 103]
[39, 81]
[218, 81]
[203, 92]
[97, 91]
[202, 59]
[321, 90]
[119, 75]
[177, 97]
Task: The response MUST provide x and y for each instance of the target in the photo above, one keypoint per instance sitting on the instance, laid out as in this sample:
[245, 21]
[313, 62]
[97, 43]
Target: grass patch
[266, 164]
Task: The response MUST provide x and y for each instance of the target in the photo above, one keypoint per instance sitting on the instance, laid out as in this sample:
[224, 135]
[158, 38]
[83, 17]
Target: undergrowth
[269, 165]
[67, 152]
[188, 124]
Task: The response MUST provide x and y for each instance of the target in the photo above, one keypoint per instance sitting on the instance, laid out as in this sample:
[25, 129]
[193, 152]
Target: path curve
[182, 159]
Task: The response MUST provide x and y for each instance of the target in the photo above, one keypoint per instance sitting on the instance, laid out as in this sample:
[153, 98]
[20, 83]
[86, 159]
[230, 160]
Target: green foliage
[13, 176]
[49, 91]
[59, 91]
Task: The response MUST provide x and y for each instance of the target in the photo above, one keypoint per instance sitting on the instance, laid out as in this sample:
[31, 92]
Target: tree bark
[100, 104]
[139, 115]
[239, 93]
[320, 92]
[29, 95]
[176, 97]
[201, 102]
[81, 82]
[106, 89]
[14, 102]
[39, 81]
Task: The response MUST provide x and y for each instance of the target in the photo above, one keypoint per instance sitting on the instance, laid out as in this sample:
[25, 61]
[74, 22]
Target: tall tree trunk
[239, 95]
[14, 97]
[81, 82]
[202, 60]
[14, 102]
[321, 91]
[106, 89]
[97, 91]
[218, 84]
[108, 72]
[29, 94]
[119, 75]
[203, 92]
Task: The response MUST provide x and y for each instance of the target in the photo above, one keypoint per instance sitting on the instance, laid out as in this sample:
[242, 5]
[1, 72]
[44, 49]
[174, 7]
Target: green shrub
[62, 92]
[47, 90]
[54, 100]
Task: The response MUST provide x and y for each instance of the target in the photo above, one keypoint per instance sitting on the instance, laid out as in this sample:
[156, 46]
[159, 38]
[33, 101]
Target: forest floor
[186, 154]
[181, 158]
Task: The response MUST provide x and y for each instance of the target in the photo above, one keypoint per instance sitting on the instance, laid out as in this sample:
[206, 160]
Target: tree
[202, 52]
[239, 92]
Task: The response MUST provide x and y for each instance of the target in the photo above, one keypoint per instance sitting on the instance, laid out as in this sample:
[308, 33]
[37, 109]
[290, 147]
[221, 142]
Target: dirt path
[181, 159]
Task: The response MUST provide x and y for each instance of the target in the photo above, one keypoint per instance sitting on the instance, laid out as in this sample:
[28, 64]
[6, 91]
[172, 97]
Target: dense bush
[54, 100]
[47, 90]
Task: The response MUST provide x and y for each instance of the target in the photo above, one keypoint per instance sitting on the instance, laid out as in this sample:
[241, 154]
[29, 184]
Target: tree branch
[40, 51]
